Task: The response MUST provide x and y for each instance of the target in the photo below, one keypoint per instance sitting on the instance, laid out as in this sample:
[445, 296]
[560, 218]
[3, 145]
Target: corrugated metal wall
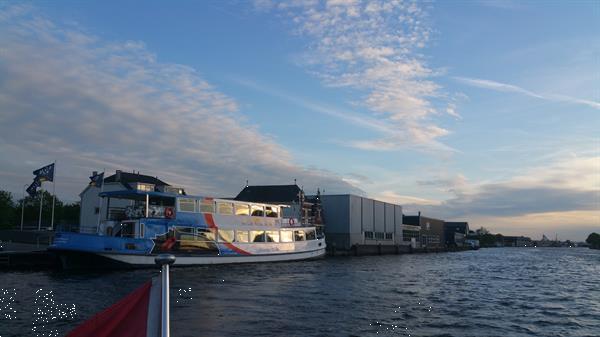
[347, 217]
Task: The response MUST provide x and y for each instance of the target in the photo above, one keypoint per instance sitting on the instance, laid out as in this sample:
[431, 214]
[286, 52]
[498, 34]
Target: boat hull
[148, 260]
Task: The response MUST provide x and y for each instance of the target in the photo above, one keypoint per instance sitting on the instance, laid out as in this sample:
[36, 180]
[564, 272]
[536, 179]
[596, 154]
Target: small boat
[198, 230]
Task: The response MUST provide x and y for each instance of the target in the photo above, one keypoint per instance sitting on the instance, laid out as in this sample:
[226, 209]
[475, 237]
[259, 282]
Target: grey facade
[353, 220]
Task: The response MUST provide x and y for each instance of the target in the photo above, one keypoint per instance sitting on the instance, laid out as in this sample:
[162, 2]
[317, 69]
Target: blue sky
[481, 111]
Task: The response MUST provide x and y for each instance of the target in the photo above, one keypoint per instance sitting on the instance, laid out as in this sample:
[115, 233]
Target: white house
[91, 209]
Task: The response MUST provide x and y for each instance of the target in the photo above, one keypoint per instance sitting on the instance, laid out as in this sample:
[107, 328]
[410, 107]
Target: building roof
[270, 193]
[415, 220]
[127, 178]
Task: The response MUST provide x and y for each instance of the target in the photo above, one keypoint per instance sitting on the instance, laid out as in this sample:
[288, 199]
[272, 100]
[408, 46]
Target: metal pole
[41, 202]
[147, 202]
[23, 206]
[53, 194]
[165, 260]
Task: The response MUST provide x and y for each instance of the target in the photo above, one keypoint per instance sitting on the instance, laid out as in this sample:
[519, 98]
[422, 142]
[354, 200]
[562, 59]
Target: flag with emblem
[45, 173]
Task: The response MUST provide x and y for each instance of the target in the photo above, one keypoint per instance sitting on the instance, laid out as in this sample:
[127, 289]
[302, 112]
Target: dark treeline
[10, 211]
[593, 240]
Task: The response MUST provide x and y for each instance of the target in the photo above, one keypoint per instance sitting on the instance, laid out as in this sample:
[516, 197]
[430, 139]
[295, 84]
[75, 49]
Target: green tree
[593, 240]
[7, 210]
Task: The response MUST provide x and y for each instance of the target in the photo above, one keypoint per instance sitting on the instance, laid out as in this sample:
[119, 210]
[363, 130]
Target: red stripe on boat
[211, 224]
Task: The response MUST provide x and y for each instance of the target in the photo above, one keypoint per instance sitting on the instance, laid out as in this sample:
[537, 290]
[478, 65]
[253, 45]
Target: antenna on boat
[246, 182]
[295, 181]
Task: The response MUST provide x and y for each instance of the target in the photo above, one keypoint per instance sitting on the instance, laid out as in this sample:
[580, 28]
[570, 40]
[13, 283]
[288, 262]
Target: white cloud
[68, 95]
[372, 48]
[497, 86]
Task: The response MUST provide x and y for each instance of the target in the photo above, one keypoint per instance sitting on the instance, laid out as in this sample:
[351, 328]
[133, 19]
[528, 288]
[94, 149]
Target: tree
[7, 210]
[593, 240]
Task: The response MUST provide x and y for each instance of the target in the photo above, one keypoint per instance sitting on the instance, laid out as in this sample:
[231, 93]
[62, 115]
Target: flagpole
[23, 207]
[53, 194]
[100, 202]
[41, 202]
[165, 260]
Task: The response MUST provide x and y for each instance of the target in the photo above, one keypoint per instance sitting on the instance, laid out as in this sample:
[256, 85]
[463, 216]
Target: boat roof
[141, 195]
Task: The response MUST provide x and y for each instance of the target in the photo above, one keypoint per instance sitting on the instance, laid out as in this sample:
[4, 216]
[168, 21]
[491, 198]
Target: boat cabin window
[287, 236]
[185, 233]
[187, 204]
[299, 235]
[242, 209]
[207, 206]
[257, 210]
[205, 235]
[226, 235]
[310, 234]
[127, 229]
[272, 236]
[272, 211]
[257, 236]
[225, 208]
[241, 236]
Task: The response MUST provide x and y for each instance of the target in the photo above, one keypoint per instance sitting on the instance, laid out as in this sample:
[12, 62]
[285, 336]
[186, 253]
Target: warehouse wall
[348, 217]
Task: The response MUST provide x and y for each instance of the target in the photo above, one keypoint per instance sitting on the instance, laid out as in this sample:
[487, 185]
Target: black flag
[46, 173]
[32, 189]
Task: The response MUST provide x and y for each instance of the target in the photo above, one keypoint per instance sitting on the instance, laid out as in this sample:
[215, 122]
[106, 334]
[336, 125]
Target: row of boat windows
[379, 236]
[243, 236]
[226, 208]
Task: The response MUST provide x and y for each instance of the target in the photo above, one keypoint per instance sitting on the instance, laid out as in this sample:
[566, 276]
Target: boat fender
[169, 212]
[292, 221]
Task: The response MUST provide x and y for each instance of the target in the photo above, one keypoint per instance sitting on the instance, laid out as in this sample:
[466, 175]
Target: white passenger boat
[197, 230]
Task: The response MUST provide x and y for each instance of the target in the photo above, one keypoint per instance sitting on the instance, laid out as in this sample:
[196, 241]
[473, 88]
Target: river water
[490, 292]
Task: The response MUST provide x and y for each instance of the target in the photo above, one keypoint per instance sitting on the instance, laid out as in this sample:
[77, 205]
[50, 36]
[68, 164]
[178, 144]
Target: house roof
[127, 178]
[270, 193]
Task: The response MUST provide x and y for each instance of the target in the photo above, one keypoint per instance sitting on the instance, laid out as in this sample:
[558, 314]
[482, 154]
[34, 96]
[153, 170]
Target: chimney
[118, 175]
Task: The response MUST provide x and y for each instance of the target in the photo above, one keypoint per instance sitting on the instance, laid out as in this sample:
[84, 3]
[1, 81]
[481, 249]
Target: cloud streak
[372, 49]
[503, 87]
[68, 95]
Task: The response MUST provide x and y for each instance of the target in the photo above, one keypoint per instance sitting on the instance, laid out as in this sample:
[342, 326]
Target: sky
[479, 111]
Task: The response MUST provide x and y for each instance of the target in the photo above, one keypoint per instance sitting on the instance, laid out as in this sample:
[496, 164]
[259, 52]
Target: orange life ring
[292, 221]
[169, 212]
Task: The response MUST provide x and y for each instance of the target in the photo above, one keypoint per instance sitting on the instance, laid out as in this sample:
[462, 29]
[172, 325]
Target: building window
[407, 235]
[378, 235]
[257, 236]
[225, 208]
[226, 235]
[187, 205]
[287, 236]
[272, 236]
[207, 206]
[241, 236]
[389, 236]
[242, 209]
[299, 235]
[369, 235]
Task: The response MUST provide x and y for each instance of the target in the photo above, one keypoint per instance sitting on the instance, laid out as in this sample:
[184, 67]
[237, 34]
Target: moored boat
[140, 224]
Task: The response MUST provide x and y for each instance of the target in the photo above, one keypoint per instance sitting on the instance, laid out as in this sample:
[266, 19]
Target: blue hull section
[92, 243]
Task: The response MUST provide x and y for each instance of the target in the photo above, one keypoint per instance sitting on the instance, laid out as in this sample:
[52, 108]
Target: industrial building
[432, 230]
[455, 233]
[353, 222]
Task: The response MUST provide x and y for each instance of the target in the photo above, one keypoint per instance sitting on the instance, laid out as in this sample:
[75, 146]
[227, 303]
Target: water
[490, 292]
